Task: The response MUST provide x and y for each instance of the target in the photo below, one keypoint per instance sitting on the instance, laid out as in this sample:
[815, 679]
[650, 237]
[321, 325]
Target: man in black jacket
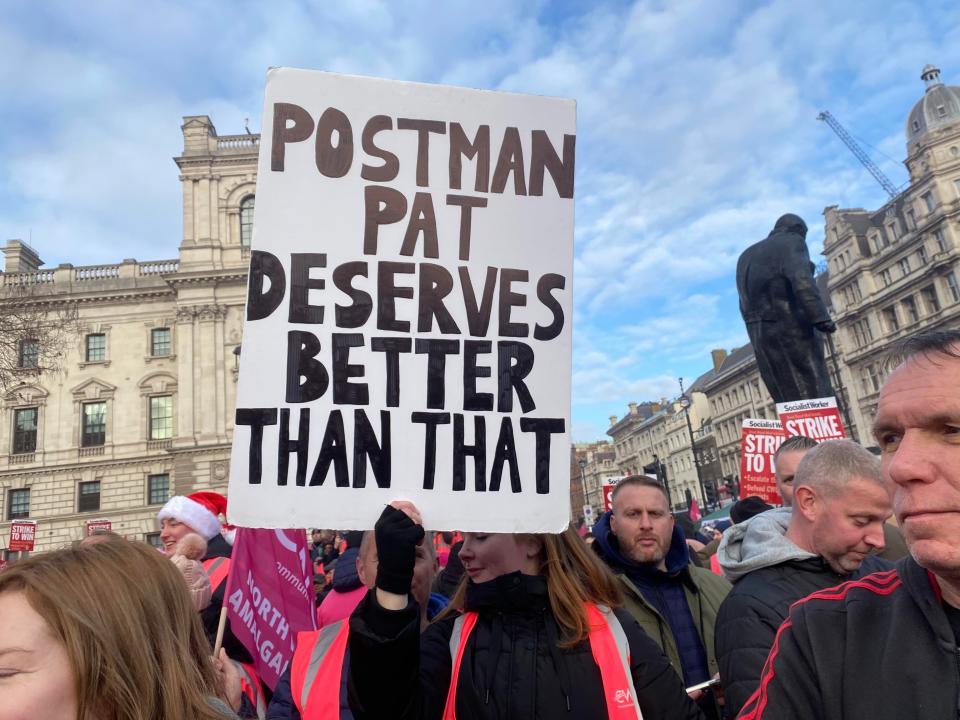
[886, 646]
[779, 557]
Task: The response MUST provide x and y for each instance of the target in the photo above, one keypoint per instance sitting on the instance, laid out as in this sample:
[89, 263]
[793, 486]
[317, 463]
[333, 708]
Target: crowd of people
[823, 608]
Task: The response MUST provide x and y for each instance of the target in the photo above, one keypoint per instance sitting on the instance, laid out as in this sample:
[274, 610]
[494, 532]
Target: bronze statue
[783, 310]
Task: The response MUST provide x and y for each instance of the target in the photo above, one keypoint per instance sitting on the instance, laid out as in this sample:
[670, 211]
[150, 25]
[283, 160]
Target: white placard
[408, 329]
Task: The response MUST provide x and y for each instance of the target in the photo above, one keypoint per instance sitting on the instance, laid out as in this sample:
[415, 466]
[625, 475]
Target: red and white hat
[200, 511]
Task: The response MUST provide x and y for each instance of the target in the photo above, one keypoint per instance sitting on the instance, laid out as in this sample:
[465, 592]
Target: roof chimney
[20, 257]
[633, 408]
[718, 355]
[613, 420]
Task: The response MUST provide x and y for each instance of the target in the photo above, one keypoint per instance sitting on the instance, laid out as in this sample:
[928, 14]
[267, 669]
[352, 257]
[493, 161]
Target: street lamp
[658, 470]
[685, 403]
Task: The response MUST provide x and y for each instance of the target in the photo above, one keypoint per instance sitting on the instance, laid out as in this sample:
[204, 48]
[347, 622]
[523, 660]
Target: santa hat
[200, 511]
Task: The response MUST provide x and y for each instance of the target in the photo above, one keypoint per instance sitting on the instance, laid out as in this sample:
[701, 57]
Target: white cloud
[696, 130]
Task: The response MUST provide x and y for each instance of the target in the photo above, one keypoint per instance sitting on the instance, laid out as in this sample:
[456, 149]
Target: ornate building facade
[142, 407]
[894, 271]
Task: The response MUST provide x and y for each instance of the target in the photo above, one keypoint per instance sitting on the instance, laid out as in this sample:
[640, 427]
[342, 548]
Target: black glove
[397, 539]
[826, 326]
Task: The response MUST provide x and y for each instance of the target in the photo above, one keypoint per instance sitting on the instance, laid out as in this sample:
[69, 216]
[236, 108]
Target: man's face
[849, 526]
[918, 430]
[171, 530]
[643, 524]
[786, 468]
[424, 572]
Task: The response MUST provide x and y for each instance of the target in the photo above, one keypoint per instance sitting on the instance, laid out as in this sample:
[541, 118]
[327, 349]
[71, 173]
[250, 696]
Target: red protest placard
[22, 535]
[608, 486]
[95, 526]
[758, 443]
[817, 419]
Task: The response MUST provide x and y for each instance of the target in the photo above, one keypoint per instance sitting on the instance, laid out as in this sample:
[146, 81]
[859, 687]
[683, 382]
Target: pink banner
[270, 596]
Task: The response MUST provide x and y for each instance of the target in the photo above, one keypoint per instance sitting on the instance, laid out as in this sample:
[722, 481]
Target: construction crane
[860, 154]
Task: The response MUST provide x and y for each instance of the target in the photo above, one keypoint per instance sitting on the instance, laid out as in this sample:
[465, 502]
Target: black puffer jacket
[512, 669]
[750, 616]
[880, 648]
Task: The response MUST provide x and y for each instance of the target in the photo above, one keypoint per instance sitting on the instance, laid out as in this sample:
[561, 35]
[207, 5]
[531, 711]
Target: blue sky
[696, 130]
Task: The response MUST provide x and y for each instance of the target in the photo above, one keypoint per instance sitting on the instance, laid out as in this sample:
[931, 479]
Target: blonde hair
[575, 576]
[125, 618]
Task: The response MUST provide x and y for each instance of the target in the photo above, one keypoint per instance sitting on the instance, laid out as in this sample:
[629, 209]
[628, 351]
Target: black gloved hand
[397, 539]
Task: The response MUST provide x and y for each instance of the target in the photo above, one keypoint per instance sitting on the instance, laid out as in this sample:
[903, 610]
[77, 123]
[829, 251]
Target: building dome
[940, 105]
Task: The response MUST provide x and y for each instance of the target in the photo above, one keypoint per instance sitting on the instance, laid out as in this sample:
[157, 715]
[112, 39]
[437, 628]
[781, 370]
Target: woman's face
[489, 555]
[36, 680]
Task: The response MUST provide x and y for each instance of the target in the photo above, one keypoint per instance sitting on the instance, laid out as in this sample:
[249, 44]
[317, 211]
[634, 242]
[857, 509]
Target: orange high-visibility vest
[611, 652]
[316, 670]
[217, 568]
[251, 687]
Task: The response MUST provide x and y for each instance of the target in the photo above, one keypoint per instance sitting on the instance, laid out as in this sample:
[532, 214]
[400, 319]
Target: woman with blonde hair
[534, 632]
[105, 631]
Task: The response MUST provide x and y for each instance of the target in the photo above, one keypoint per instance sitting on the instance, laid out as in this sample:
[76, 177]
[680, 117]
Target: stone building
[142, 407]
[630, 457]
[656, 433]
[595, 462]
[893, 271]
[734, 392]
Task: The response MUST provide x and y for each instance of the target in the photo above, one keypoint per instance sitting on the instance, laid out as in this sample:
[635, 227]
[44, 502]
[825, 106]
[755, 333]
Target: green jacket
[704, 590]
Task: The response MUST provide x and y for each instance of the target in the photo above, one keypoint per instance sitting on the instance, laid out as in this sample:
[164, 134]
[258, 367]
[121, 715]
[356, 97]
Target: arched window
[246, 221]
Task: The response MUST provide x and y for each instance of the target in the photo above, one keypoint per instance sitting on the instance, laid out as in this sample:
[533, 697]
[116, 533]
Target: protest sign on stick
[408, 318]
[817, 419]
[759, 441]
[99, 526]
[609, 484]
[269, 596]
[22, 535]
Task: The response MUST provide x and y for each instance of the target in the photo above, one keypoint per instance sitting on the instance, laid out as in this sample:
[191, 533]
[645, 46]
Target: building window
[930, 298]
[894, 229]
[929, 201]
[158, 489]
[890, 318]
[904, 264]
[153, 539]
[942, 244]
[88, 496]
[954, 289]
[161, 417]
[862, 335]
[911, 219]
[29, 355]
[96, 347]
[160, 342]
[910, 306]
[922, 255]
[94, 424]
[19, 506]
[956, 183]
[25, 430]
[875, 241]
[885, 277]
[246, 221]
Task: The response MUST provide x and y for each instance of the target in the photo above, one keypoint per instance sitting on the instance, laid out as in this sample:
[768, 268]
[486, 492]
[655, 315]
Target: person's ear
[806, 501]
[533, 546]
